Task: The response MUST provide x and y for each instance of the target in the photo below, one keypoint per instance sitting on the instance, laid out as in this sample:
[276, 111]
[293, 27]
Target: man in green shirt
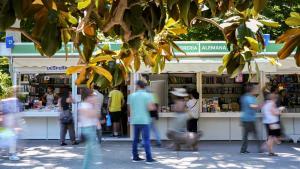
[140, 103]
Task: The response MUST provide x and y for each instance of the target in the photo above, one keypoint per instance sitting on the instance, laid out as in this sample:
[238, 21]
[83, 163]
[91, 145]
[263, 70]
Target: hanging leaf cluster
[291, 38]
[146, 28]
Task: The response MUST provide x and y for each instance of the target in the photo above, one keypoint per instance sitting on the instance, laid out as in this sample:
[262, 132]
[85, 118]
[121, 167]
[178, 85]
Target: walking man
[140, 103]
[248, 117]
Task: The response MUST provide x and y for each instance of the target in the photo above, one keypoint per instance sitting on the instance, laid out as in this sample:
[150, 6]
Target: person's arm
[109, 103]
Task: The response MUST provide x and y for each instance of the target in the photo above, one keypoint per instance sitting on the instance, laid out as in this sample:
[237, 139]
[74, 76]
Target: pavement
[47, 154]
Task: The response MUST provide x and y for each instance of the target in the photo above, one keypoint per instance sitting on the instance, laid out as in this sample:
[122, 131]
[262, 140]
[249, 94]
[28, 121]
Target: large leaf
[253, 43]
[288, 48]
[83, 4]
[270, 23]
[297, 56]
[74, 69]
[90, 80]
[238, 70]
[103, 72]
[7, 15]
[81, 77]
[288, 35]
[101, 59]
[293, 21]
[184, 6]
[258, 5]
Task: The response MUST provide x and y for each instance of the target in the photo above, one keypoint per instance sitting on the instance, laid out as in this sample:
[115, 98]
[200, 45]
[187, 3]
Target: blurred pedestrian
[249, 107]
[88, 119]
[99, 102]
[271, 120]
[179, 107]
[115, 103]
[10, 123]
[154, 118]
[139, 104]
[66, 118]
[193, 108]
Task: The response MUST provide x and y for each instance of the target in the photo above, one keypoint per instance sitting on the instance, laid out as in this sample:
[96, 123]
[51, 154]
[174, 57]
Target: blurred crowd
[143, 106]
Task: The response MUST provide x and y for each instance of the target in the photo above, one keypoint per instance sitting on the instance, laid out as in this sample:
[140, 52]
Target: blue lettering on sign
[9, 40]
[56, 68]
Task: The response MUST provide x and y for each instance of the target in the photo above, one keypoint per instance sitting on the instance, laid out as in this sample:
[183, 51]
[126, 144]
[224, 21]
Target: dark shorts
[116, 116]
[273, 132]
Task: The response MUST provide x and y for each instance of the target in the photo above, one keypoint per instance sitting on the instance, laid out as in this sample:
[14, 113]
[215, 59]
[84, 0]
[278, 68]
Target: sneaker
[63, 144]
[244, 152]
[158, 145]
[75, 143]
[137, 160]
[14, 158]
[152, 161]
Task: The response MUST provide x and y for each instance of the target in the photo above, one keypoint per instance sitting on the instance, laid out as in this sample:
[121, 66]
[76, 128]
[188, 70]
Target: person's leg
[63, 132]
[71, 129]
[270, 144]
[245, 137]
[99, 135]
[13, 149]
[90, 146]
[146, 140]
[255, 134]
[156, 132]
[136, 136]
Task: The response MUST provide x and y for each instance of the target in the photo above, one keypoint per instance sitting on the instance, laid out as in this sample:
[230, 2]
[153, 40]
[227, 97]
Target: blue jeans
[155, 131]
[145, 130]
[91, 147]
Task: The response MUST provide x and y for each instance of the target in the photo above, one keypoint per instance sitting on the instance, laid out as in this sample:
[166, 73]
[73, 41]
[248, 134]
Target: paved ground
[116, 155]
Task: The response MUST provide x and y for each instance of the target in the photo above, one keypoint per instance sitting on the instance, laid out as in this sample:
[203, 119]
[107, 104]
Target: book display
[289, 90]
[35, 86]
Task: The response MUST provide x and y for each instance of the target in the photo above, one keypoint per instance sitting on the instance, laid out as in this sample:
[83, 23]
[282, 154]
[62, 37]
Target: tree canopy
[146, 28]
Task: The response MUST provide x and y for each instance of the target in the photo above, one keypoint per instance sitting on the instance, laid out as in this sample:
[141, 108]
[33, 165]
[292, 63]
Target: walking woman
[66, 118]
[88, 119]
[271, 120]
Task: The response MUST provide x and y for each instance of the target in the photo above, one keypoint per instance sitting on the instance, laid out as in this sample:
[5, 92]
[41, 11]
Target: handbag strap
[195, 104]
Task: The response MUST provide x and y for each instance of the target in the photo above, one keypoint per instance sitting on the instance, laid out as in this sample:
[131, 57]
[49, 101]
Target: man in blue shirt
[248, 117]
[140, 103]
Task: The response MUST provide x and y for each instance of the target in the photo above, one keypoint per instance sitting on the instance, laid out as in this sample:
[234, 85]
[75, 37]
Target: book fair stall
[219, 94]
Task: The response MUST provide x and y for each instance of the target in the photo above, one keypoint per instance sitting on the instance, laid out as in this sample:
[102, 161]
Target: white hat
[181, 92]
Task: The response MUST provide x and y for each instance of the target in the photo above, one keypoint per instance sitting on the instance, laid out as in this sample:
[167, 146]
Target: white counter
[226, 125]
[41, 124]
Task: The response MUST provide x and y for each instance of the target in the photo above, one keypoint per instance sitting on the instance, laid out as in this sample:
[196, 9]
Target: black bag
[66, 118]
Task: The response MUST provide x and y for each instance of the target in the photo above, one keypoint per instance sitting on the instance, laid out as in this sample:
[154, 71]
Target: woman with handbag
[66, 118]
[193, 110]
[271, 120]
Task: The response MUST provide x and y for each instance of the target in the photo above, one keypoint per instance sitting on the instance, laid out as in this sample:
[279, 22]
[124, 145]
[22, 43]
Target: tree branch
[209, 21]
[13, 29]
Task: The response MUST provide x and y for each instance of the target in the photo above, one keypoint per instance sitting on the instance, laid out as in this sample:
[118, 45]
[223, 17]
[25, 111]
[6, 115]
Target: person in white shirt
[99, 102]
[271, 120]
[193, 108]
[88, 119]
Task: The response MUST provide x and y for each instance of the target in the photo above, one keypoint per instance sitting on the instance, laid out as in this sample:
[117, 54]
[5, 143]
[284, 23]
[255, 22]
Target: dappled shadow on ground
[117, 156]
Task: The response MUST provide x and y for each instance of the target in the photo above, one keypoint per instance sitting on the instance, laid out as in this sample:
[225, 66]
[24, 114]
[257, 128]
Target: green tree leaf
[83, 4]
[270, 23]
[253, 43]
